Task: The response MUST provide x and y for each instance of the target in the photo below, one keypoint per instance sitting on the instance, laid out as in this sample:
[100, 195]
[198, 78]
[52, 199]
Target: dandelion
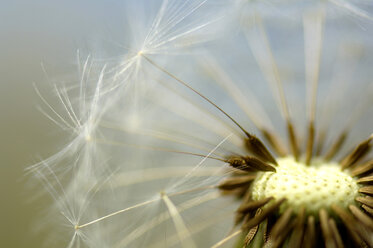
[255, 135]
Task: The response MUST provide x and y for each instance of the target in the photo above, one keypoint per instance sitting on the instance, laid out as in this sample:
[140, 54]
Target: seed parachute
[222, 124]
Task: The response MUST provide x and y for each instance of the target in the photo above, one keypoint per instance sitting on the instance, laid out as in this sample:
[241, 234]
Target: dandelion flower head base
[291, 203]
[315, 187]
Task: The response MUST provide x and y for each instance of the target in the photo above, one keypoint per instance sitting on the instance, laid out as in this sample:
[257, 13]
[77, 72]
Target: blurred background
[32, 34]
[39, 41]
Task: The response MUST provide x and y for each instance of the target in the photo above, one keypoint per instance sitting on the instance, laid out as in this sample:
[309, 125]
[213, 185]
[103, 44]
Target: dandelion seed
[198, 160]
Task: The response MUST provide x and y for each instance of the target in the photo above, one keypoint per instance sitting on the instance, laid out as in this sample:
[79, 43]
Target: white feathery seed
[151, 136]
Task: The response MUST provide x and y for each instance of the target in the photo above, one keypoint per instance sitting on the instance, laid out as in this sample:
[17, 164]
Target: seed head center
[316, 186]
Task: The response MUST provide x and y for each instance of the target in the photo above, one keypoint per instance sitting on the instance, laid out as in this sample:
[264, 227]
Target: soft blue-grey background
[34, 33]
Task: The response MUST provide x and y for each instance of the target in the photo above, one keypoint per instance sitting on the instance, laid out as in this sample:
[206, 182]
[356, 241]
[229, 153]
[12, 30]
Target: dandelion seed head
[315, 186]
[165, 157]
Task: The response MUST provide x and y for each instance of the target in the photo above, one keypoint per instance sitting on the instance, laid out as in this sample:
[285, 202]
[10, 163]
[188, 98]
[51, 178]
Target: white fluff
[120, 181]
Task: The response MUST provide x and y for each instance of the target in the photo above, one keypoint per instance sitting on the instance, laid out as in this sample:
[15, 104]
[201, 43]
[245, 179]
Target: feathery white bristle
[166, 116]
